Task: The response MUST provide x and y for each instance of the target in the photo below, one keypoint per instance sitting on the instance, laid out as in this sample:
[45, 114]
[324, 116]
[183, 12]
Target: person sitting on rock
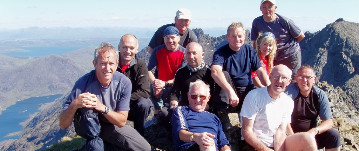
[136, 70]
[239, 60]
[309, 103]
[265, 115]
[194, 70]
[167, 59]
[193, 128]
[266, 50]
[99, 104]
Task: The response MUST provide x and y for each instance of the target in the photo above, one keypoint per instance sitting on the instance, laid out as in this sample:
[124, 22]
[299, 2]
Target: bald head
[280, 78]
[194, 46]
[194, 54]
[128, 48]
[281, 68]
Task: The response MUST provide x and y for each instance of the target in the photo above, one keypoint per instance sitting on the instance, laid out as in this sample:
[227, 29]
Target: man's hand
[159, 84]
[233, 99]
[204, 139]
[173, 104]
[313, 132]
[89, 100]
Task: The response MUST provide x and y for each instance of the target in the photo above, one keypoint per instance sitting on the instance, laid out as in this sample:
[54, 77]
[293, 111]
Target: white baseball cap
[183, 13]
[272, 1]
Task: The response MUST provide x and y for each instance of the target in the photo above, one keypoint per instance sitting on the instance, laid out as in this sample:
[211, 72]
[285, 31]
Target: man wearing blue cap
[168, 58]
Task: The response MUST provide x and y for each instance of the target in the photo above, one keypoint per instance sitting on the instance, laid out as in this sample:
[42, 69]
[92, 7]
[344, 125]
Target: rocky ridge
[331, 52]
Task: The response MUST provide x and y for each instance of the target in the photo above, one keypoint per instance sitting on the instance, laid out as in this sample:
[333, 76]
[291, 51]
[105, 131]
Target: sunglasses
[201, 97]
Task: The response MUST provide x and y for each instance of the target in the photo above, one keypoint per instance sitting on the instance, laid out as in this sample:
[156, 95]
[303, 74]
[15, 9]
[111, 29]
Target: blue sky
[309, 15]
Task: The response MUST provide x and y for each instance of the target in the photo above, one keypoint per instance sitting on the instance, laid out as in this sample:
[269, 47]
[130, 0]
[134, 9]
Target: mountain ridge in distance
[331, 51]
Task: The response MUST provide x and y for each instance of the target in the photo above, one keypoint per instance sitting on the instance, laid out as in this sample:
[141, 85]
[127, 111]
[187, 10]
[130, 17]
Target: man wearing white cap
[287, 34]
[182, 22]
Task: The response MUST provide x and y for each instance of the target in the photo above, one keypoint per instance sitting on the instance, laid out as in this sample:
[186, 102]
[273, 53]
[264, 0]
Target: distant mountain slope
[82, 57]
[332, 51]
[7, 62]
[41, 77]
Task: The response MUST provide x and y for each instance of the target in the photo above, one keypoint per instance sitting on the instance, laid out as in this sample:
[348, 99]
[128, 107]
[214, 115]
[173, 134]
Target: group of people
[192, 99]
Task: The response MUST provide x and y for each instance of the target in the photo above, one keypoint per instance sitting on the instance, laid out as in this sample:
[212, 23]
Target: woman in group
[266, 47]
[286, 32]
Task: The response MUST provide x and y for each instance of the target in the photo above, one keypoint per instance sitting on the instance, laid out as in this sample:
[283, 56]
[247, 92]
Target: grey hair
[104, 46]
[199, 83]
[235, 25]
[306, 67]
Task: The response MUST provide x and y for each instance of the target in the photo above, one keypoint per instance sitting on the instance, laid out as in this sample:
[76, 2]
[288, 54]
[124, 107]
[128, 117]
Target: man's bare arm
[219, 78]
[249, 136]
[263, 76]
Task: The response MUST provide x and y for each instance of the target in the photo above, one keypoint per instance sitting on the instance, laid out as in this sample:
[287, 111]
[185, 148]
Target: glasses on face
[280, 78]
[305, 77]
[201, 97]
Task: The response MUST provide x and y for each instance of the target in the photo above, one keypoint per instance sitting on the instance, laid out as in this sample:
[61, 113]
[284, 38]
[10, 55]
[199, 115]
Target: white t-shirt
[267, 113]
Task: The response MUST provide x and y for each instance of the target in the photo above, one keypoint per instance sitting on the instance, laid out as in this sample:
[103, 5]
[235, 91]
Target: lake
[11, 118]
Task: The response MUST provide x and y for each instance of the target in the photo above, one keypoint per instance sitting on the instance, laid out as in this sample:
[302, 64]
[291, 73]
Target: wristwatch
[191, 138]
[106, 110]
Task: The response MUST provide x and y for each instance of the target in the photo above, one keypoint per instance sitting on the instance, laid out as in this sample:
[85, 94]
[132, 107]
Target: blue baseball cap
[171, 30]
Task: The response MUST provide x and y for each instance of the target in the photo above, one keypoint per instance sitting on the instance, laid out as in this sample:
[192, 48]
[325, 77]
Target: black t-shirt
[305, 112]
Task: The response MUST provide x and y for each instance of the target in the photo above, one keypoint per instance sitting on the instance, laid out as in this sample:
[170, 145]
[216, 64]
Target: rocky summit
[332, 51]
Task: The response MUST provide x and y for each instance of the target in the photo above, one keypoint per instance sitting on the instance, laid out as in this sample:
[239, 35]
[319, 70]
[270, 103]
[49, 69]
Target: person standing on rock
[265, 115]
[309, 103]
[99, 104]
[136, 70]
[195, 129]
[287, 34]
[182, 21]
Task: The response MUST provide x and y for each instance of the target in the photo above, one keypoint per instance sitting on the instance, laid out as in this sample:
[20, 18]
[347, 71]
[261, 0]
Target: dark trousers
[241, 93]
[139, 111]
[292, 62]
[100, 135]
[329, 139]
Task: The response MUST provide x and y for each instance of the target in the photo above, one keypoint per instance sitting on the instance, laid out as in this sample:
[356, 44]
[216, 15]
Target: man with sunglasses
[266, 113]
[194, 70]
[309, 103]
[193, 128]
